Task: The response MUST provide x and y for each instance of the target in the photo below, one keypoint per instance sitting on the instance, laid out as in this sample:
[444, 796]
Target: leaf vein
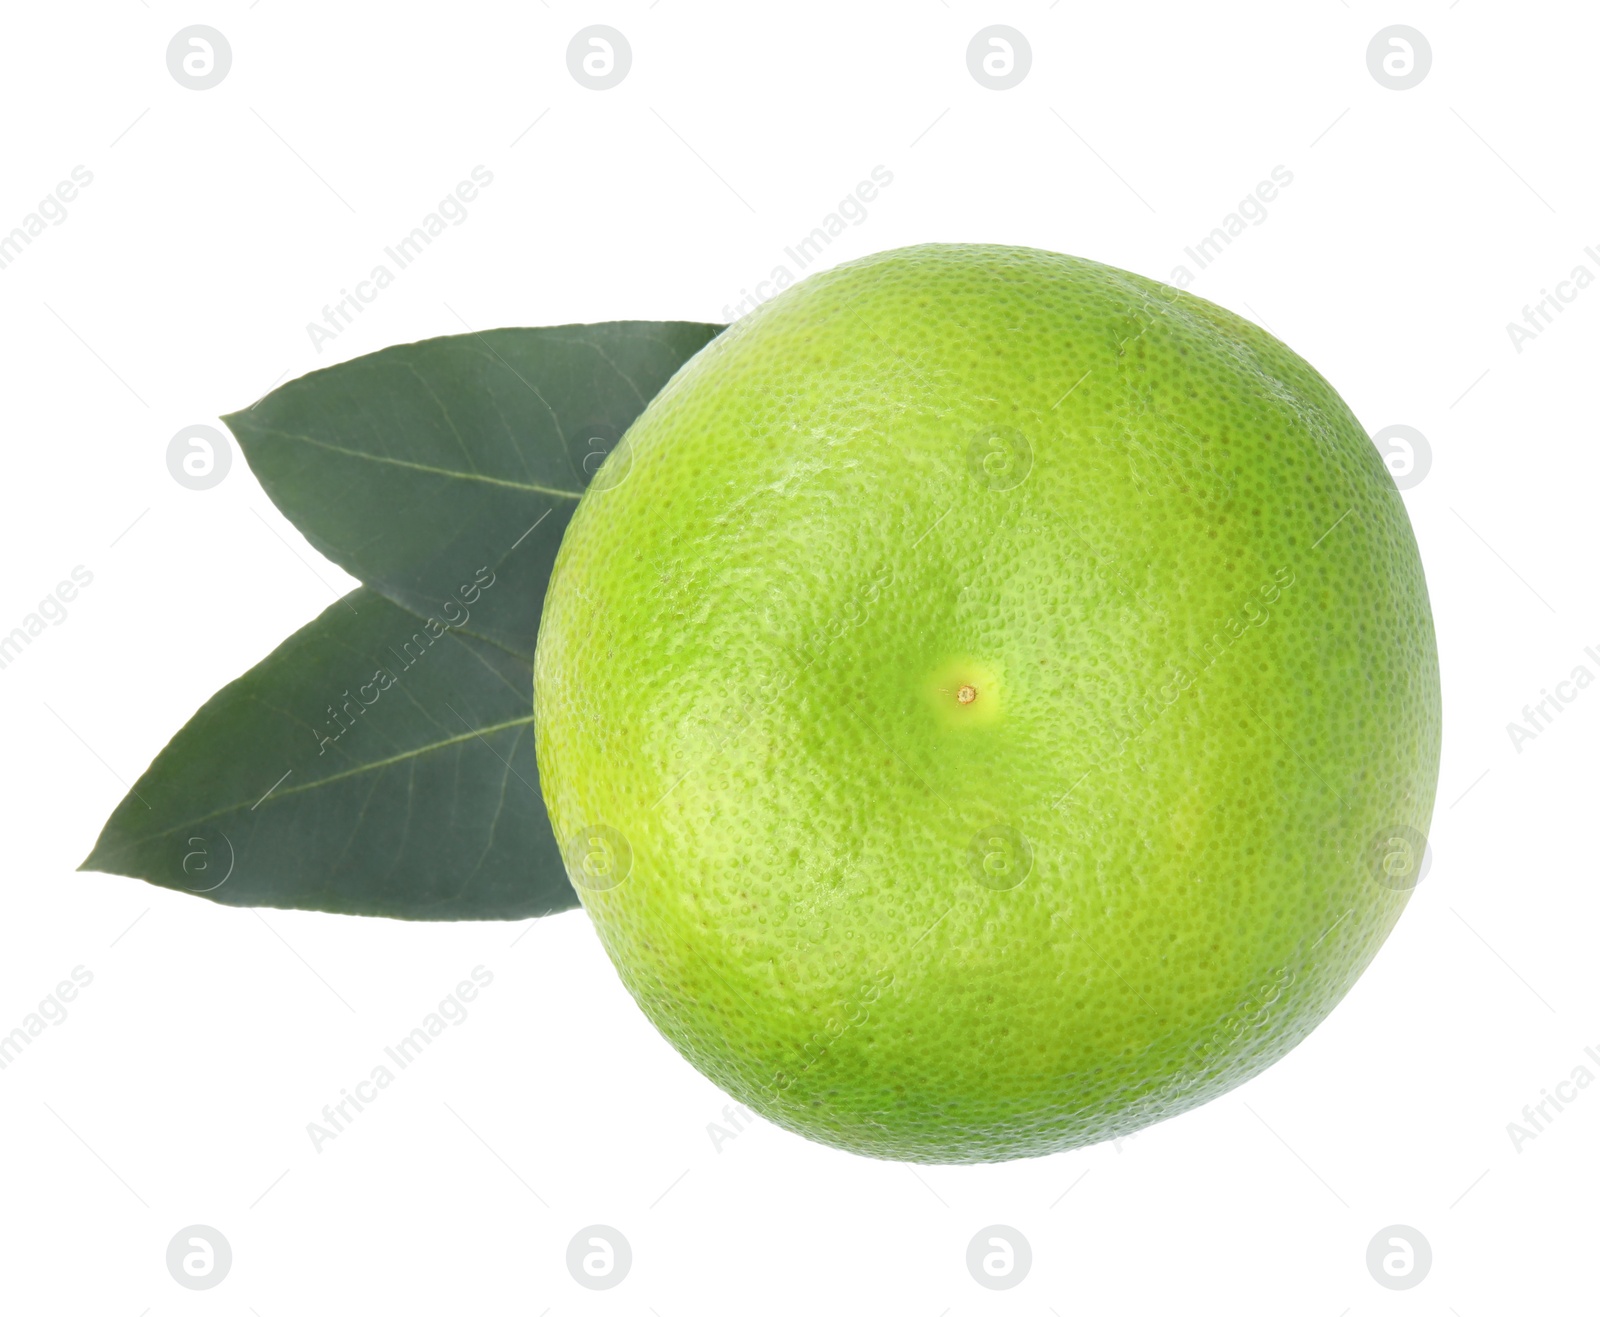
[423, 466]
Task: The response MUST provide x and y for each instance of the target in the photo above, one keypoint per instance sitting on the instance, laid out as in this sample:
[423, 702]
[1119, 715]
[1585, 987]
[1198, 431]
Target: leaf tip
[96, 861]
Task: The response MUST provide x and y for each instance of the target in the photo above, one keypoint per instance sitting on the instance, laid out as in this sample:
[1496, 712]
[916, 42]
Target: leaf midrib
[417, 466]
[325, 781]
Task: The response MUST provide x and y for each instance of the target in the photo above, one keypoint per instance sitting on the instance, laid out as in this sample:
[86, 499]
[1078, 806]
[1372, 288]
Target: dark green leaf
[414, 466]
[375, 763]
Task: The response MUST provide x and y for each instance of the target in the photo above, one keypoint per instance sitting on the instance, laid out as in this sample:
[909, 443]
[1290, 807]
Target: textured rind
[1207, 689]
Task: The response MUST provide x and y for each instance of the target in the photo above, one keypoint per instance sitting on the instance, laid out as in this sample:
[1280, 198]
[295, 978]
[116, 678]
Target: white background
[178, 1089]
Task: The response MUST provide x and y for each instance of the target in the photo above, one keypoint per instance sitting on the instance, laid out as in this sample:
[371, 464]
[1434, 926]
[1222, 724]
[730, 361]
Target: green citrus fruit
[988, 704]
